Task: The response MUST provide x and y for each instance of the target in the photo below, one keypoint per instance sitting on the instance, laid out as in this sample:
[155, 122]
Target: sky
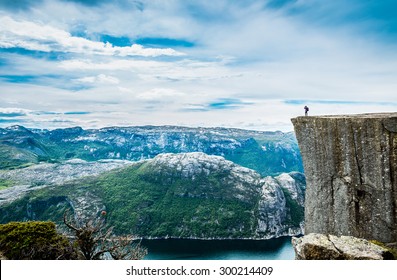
[250, 64]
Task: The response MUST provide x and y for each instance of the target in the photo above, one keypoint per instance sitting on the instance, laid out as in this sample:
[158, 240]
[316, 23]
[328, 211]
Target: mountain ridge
[269, 153]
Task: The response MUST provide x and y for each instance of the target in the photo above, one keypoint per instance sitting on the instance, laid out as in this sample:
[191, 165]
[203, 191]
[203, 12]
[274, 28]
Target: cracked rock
[350, 164]
[315, 246]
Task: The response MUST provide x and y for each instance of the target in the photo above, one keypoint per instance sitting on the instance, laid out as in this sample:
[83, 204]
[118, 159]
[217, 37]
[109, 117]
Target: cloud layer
[38, 37]
[251, 64]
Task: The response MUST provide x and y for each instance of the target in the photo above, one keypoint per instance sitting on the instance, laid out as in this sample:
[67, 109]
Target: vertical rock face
[350, 163]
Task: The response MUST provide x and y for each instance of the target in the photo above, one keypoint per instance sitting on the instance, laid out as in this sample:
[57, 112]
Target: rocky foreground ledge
[350, 163]
[317, 246]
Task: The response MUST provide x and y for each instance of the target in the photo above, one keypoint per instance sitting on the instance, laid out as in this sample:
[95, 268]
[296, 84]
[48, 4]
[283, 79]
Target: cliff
[350, 163]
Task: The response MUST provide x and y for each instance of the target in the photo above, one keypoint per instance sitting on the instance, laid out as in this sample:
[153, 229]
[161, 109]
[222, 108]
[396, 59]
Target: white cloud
[115, 64]
[39, 37]
[160, 94]
[187, 69]
[14, 111]
[101, 79]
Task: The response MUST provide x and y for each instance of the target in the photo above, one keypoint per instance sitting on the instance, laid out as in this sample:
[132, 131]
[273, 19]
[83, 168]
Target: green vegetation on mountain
[178, 195]
[12, 157]
[138, 201]
[174, 207]
[267, 155]
[5, 184]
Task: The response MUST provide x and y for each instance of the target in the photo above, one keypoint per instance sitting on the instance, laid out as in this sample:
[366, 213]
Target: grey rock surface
[350, 163]
[273, 208]
[45, 174]
[316, 246]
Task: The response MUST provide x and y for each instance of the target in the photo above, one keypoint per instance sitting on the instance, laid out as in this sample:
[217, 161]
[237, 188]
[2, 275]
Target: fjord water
[188, 249]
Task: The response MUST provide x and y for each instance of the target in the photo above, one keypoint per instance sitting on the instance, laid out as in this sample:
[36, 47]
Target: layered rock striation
[350, 163]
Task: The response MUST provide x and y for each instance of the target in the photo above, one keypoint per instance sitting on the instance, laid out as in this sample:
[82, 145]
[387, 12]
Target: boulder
[316, 246]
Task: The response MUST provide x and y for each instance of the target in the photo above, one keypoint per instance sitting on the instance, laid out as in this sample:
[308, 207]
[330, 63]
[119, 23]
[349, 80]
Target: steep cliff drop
[350, 163]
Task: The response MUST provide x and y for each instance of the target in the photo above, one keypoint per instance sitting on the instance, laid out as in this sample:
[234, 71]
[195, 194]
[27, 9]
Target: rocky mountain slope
[269, 153]
[188, 195]
[18, 182]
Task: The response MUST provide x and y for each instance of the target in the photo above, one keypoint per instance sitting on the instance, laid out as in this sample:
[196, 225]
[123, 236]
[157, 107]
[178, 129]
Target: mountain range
[156, 182]
[269, 153]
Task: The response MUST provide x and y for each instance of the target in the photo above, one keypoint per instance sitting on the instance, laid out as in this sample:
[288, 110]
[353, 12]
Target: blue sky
[248, 64]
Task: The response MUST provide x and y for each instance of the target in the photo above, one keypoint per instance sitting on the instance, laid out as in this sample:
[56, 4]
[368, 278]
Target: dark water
[186, 249]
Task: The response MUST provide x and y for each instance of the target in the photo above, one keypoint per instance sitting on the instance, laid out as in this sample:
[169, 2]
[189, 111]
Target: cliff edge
[350, 163]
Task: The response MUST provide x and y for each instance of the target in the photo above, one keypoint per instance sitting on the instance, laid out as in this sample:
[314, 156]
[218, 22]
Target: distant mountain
[269, 153]
[185, 195]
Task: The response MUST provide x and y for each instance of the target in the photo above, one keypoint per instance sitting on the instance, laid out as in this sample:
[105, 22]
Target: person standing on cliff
[306, 110]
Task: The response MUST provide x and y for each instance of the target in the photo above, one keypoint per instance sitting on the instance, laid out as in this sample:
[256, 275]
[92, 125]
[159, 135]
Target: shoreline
[214, 239]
